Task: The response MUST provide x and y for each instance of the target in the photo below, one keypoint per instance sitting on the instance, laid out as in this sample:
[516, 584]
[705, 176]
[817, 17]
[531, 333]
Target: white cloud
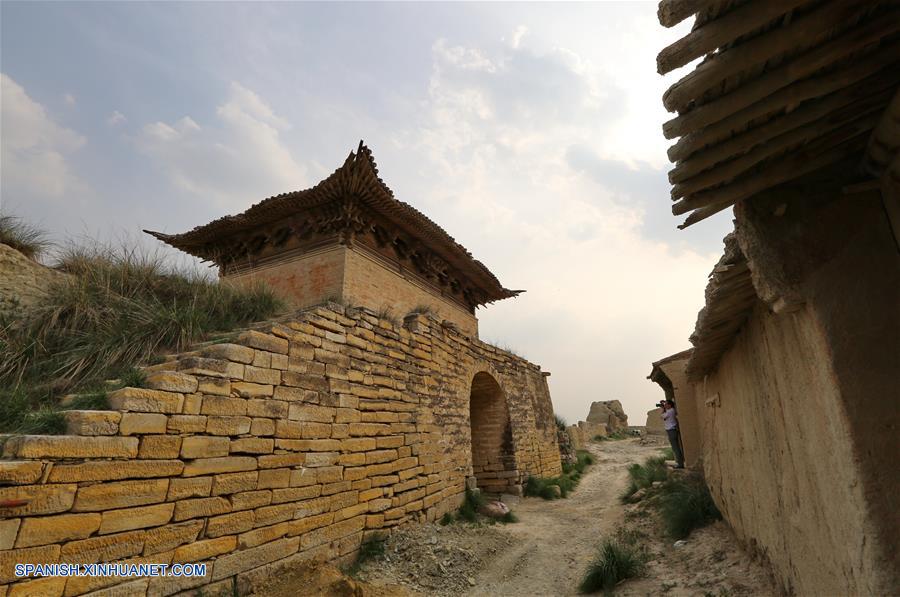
[69, 99]
[116, 118]
[35, 149]
[516, 136]
[233, 162]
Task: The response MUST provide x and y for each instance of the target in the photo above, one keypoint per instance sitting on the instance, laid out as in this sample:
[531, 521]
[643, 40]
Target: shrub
[509, 517]
[472, 503]
[685, 505]
[615, 562]
[560, 422]
[24, 238]
[641, 476]
[668, 454]
[543, 486]
[447, 518]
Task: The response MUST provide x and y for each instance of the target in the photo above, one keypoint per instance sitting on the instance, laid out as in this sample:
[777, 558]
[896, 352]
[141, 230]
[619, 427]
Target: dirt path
[555, 541]
[548, 551]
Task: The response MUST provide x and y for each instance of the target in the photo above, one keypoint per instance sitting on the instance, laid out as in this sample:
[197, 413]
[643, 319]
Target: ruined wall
[655, 424]
[290, 444]
[799, 422]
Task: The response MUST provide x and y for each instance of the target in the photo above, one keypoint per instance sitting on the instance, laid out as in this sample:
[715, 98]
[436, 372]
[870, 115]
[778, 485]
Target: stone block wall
[293, 443]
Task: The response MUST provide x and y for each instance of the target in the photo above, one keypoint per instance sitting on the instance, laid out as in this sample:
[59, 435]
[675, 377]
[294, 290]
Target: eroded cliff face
[22, 281]
[293, 443]
[609, 412]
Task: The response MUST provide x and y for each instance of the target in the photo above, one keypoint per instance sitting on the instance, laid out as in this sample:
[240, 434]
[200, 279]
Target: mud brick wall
[292, 443]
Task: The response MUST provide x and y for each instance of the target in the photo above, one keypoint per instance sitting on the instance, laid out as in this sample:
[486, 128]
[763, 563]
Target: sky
[530, 132]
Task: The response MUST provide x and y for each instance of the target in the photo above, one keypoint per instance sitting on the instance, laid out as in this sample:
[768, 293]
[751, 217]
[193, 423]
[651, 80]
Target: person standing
[670, 420]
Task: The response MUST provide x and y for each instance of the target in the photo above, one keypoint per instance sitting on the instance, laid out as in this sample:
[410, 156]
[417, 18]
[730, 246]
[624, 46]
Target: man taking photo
[670, 419]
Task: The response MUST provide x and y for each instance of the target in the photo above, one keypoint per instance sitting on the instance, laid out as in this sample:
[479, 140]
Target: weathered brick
[310, 412]
[203, 550]
[171, 381]
[171, 536]
[187, 424]
[262, 359]
[227, 464]
[293, 394]
[280, 460]
[213, 386]
[234, 482]
[262, 341]
[9, 529]
[56, 529]
[114, 470]
[316, 430]
[37, 499]
[103, 549]
[220, 425]
[134, 423]
[222, 405]
[49, 554]
[263, 535]
[377, 456]
[146, 401]
[262, 375]
[229, 352]
[65, 446]
[205, 447]
[200, 507]
[303, 476]
[273, 478]
[229, 524]
[19, 472]
[41, 587]
[204, 367]
[293, 494]
[316, 459]
[308, 445]
[159, 446]
[246, 500]
[252, 445]
[122, 494]
[92, 422]
[306, 381]
[251, 390]
[180, 489]
[309, 523]
[231, 564]
[369, 429]
[115, 521]
[260, 427]
[191, 405]
[333, 532]
[275, 409]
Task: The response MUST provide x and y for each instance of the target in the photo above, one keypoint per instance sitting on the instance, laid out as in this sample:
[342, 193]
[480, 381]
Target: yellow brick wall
[293, 443]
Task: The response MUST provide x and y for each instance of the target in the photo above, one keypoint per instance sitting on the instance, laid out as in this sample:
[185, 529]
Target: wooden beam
[885, 141]
[863, 119]
[800, 67]
[803, 162]
[672, 12]
[723, 30]
[884, 64]
[801, 33]
[872, 92]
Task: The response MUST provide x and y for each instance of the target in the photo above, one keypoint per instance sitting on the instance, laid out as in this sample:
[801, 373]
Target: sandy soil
[548, 551]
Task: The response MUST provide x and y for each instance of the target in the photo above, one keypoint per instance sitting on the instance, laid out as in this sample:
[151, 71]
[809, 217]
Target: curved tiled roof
[357, 178]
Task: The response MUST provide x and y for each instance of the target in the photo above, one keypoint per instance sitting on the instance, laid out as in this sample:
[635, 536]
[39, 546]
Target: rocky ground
[548, 551]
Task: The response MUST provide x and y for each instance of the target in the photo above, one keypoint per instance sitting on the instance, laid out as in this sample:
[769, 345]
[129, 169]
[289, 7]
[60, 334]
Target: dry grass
[23, 237]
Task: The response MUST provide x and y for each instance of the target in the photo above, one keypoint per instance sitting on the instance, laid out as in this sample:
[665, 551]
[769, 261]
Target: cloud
[233, 162]
[69, 99]
[35, 149]
[516, 135]
[116, 118]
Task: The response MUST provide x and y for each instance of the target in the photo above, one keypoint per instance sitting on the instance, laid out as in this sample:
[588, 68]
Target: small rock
[471, 581]
[680, 543]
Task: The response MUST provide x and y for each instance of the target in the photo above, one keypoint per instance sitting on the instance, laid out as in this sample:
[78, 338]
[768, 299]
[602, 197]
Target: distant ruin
[603, 418]
[298, 438]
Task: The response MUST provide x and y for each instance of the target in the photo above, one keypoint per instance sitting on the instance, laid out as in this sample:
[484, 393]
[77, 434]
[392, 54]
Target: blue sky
[531, 132]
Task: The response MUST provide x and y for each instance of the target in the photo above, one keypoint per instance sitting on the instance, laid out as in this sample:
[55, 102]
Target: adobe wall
[688, 424]
[293, 443]
[353, 276]
[799, 423]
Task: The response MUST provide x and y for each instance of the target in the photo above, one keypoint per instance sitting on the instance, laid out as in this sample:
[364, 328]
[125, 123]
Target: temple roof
[356, 181]
[786, 89]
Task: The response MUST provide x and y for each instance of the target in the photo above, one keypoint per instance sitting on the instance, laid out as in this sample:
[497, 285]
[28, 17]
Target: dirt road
[555, 541]
[548, 551]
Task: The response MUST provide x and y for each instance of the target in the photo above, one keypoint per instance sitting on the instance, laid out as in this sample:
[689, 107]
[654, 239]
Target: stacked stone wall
[293, 443]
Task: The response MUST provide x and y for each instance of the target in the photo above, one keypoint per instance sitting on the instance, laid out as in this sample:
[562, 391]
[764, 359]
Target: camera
[660, 404]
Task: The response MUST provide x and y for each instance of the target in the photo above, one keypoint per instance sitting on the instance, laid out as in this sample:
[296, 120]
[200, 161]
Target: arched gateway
[493, 452]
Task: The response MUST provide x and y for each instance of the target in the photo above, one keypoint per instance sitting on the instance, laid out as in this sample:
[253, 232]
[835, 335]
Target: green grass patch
[472, 503]
[685, 504]
[560, 422]
[614, 436]
[447, 518]
[642, 476]
[543, 487]
[668, 454]
[616, 560]
[509, 517]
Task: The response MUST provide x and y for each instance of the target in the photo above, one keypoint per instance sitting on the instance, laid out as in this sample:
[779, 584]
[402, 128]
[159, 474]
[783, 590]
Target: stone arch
[493, 448]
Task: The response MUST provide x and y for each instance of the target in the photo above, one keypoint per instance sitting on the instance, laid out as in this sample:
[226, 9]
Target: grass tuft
[509, 517]
[668, 454]
[447, 518]
[685, 505]
[117, 309]
[560, 422]
[641, 476]
[472, 503]
[370, 549]
[615, 562]
[544, 486]
[23, 237]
